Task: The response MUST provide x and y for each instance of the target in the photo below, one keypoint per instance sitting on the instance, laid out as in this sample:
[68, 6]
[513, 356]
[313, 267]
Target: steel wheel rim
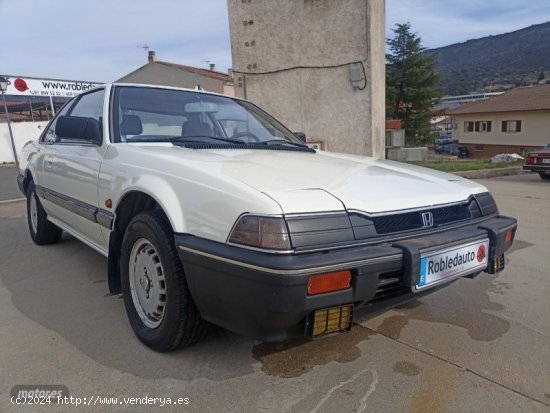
[147, 283]
[33, 213]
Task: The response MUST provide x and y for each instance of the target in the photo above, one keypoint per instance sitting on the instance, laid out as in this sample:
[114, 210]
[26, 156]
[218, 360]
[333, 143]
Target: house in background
[171, 74]
[517, 121]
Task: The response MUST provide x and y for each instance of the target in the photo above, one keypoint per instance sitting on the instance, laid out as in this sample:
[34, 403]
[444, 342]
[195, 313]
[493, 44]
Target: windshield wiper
[284, 142]
[202, 139]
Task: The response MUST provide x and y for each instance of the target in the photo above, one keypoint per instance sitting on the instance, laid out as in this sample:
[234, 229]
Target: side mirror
[301, 136]
[78, 128]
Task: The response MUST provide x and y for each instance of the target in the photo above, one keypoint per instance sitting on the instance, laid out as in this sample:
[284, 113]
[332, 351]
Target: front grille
[451, 214]
[407, 221]
[401, 222]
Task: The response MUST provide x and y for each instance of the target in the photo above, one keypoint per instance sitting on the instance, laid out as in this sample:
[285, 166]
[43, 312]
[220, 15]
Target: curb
[491, 173]
[10, 201]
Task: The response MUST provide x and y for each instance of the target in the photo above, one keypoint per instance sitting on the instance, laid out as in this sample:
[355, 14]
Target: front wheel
[544, 176]
[160, 308]
[42, 231]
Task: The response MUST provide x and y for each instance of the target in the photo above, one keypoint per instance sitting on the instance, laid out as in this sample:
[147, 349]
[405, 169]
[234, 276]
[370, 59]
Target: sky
[103, 40]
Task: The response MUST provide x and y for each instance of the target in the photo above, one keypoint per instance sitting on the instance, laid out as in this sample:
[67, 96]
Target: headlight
[261, 232]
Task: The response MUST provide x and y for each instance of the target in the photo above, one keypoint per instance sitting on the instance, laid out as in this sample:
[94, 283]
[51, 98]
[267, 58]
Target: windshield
[183, 117]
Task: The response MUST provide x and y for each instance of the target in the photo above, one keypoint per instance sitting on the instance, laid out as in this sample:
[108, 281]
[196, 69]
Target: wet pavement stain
[499, 287]
[519, 245]
[407, 368]
[392, 326]
[296, 357]
[469, 307]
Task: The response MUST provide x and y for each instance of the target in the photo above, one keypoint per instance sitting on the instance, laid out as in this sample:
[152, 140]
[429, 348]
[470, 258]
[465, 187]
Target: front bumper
[544, 168]
[264, 295]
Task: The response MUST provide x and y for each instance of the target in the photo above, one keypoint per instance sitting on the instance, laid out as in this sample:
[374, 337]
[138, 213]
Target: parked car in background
[210, 210]
[539, 161]
[452, 149]
[443, 140]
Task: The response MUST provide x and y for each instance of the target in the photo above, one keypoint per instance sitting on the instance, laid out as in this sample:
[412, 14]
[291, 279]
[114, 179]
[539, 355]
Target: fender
[161, 191]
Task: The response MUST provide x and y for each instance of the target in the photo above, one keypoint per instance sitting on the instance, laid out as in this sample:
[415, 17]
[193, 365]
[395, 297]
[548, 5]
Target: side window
[90, 105]
[49, 136]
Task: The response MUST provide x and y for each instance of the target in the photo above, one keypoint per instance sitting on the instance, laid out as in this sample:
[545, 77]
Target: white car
[210, 210]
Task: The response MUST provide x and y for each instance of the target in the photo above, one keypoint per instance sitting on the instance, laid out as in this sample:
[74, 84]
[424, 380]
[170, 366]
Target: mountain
[496, 63]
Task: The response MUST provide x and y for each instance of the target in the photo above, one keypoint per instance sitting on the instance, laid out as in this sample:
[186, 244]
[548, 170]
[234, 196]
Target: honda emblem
[427, 219]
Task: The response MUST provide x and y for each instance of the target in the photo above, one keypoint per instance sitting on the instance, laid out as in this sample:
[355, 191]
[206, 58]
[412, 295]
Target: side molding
[90, 212]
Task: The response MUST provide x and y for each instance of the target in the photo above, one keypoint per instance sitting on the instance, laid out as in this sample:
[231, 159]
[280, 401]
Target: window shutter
[503, 126]
[477, 126]
[489, 126]
[518, 125]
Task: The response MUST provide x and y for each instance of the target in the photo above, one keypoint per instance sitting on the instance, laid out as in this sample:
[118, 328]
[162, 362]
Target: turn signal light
[509, 238]
[332, 281]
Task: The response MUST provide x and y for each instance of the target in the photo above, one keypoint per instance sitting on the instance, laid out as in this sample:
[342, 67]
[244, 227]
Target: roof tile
[203, 72]
[518, 99]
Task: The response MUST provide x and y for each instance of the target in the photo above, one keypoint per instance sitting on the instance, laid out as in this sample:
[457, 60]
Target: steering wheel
[238, 135]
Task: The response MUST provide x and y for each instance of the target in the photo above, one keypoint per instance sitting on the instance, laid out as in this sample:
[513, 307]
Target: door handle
[49, 164]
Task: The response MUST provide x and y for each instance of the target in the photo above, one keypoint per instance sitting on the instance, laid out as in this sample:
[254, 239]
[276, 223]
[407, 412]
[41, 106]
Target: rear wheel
[42, 231]
[544, 176]
[159, 306]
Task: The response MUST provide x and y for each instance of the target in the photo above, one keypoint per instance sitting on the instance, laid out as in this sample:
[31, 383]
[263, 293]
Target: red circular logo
[20, 85]
[481, 253]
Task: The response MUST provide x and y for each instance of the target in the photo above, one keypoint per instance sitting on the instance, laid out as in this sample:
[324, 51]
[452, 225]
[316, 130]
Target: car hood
[311, 182]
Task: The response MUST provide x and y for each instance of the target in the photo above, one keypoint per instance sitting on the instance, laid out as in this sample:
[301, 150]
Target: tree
[411, 84]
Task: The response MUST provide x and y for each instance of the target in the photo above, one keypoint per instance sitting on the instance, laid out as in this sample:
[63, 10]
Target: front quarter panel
[195, 198]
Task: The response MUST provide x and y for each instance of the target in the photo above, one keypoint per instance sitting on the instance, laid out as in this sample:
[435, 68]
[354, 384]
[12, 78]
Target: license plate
[441, 265]
[545, 160]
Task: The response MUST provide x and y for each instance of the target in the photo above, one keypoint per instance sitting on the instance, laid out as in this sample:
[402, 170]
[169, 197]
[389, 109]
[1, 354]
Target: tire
[160, 308]
[42, 231]
[544, 176]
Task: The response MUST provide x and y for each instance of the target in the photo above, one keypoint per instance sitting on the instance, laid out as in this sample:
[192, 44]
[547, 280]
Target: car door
[72, 170]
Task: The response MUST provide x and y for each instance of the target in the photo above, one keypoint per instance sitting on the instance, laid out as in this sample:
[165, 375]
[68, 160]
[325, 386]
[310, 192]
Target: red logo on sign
[481, 253]
[20, 85]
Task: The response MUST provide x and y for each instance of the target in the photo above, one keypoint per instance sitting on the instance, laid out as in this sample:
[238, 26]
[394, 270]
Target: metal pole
[51, 104]
[11, 132]
[32, 114]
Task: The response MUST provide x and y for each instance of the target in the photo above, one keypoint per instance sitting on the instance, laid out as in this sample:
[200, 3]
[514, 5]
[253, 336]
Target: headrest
[131, 125]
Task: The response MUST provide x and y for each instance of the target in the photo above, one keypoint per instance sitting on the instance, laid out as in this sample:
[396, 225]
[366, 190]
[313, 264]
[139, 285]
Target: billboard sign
[29, 86]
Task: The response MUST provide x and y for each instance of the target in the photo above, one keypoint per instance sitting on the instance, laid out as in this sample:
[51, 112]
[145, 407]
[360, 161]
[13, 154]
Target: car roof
[183, 89]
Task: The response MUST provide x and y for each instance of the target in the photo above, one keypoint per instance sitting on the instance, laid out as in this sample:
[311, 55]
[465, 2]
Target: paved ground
[479, 345]
[8, 184]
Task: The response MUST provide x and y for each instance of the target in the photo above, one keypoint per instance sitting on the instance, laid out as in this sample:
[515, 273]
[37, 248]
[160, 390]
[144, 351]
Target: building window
[483, 126]
[511, 126]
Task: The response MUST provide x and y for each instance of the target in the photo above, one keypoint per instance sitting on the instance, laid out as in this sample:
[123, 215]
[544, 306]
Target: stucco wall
[22, 133]
[535, 129]
[275, 35]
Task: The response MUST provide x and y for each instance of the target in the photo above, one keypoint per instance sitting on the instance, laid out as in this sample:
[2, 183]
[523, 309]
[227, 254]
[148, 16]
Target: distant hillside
[496, 63]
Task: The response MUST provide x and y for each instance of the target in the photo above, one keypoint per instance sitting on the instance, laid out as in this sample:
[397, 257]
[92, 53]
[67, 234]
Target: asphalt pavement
[480, 345]
[8, 183]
